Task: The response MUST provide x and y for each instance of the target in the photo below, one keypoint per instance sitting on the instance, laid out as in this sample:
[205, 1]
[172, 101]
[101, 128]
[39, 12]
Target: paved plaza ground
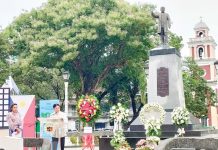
[5, 133]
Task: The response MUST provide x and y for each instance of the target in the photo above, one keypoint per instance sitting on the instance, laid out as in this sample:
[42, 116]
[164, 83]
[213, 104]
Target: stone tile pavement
[4, 132]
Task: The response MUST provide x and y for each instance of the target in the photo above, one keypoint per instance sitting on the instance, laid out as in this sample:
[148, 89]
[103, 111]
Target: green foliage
[44, 83]
[198, 95]
[175, 41]
[88, 39]
[4, 68]
[153, 132]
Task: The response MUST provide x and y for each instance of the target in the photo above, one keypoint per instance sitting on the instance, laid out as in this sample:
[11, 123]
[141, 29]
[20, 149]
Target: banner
[26, 108]
[45, 109]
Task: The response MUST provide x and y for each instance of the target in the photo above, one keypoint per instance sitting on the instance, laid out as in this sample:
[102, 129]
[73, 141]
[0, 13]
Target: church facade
[202, 49]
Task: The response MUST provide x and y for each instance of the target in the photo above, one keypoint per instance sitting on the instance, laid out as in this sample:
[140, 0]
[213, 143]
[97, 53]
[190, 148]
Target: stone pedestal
[165, 83]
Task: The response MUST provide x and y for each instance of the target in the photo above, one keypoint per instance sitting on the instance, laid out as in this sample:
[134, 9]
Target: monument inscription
[162, 82]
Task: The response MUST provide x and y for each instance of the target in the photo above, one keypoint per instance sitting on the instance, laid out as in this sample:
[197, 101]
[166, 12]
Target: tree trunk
[126, 126]
[113, 96]
[132, 97]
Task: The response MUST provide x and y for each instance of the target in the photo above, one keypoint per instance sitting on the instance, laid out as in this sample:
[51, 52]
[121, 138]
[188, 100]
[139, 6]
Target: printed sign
[45, 109]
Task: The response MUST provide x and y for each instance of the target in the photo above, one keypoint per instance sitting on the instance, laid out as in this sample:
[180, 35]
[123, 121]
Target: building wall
[214, 117]
[207, 75]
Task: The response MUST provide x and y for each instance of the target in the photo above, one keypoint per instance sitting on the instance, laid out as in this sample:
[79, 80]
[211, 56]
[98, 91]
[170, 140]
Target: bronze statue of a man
[164, 24]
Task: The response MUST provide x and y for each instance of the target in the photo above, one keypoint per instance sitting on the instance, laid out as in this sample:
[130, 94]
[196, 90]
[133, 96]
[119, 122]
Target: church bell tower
[202, 50]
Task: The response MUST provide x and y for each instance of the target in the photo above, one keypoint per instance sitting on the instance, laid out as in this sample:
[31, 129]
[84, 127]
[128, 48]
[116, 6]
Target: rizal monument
[165, 83]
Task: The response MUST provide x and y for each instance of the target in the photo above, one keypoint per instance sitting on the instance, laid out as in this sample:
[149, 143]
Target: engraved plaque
[162, 82]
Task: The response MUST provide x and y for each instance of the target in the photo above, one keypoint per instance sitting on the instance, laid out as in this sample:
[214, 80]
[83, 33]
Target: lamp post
[66, 76]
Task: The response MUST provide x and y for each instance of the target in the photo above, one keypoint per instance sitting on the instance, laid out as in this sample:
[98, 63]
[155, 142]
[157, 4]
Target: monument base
[165, 86]
[133, 137]
[168, 126]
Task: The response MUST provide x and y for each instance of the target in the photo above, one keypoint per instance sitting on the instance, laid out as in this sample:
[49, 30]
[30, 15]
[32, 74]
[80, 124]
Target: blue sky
[184, 14]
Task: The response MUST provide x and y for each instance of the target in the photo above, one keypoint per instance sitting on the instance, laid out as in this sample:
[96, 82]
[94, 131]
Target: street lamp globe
[66, 75]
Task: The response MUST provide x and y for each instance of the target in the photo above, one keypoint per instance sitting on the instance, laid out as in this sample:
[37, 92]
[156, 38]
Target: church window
[200, 34]
[200, 52]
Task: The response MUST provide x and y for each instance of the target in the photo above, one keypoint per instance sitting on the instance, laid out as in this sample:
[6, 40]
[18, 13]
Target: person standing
[61, 132]
[14, 121]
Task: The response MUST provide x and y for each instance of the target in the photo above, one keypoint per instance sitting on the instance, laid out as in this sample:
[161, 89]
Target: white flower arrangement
[151, 108]
[119, 113]
[153, 139]
[153, 127]
[118, 142]
[153, 123]
[180, 116]
[119, 137]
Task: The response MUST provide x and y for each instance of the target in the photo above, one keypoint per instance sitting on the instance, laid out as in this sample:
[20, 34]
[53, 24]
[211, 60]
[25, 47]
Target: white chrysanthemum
[180, 116]
[120, 113]
[150, 108]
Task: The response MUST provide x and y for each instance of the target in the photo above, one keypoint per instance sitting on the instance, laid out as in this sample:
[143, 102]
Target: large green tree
[90, 39]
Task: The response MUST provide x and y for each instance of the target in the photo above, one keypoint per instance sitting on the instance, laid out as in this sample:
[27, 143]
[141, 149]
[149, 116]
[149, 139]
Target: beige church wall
[214, 117]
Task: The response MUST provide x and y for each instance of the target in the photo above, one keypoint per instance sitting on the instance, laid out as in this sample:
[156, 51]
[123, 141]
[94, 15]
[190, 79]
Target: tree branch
[78, 68]
[101, 96]
[105, 72]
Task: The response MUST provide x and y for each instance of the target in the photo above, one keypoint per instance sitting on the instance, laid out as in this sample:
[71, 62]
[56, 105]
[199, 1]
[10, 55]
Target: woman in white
[14, 121]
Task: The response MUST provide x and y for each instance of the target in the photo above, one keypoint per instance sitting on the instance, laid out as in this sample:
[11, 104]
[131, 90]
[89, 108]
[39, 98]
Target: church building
[202, 49]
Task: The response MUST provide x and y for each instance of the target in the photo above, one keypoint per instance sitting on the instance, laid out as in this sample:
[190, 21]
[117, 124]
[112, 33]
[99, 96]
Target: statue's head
[162, 9]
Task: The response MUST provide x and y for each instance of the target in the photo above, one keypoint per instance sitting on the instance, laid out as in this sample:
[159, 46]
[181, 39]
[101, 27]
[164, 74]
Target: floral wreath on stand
[119, 114]
[152, 125]
[149, 108]
[180, 118]
[88, 109]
